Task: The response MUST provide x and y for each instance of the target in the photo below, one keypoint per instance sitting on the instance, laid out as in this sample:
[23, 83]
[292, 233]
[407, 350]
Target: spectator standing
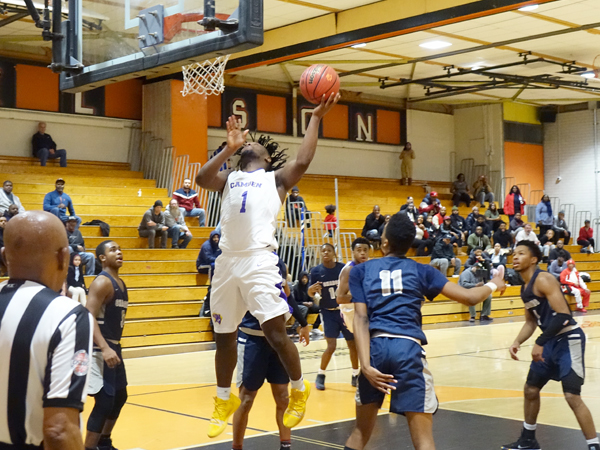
[557, 267]
[460, 191]
[422, 242]
[497, 256]
[483, 191]
[478, 239]
[44, 147]
[58, 203]
[586, 238]
[516, 224]
[443, 255]
[514, 203]
[75, 281]
[543, 215]
[209, 252]
[492, 217]
[526, 234]
[330, 221]
[11, 212]
[293, 205]
[571, 278]
[471, 219]
[406, 156]
[153, 222]
[7, 198]
[372, 223]
[503, 237]
[561, 228]
[474, 277]
[178, 231]
[560, 250]
[188, 202]
[77, 245]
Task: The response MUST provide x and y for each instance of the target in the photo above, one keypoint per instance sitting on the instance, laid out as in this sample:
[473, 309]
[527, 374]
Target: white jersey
[249, 211]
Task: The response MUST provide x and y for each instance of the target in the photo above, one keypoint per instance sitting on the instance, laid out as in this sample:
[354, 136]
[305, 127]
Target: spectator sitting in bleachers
[178, 231]
[7, 198]
[547, 243]
[478, 256]
[478, 239]
[330, 221]
[188, 202]
[443, 255]
[586, 238]
[57, 203]
[304, 301]
[557, 266]
[526, 234]
[153, 222]
[573, 284]
[386, 219]
[481, 222]
[373, 222]
[460, 191]
[503, 237]
[2, 226]
[429, 203]
[492, 217]
[438, 218]
[471, 219]
[75, 280]
[514, 203]
[543, 215]
[459, 222]
[209, 251]
[293, 206]
[11, 212]
[516, 224]
[411, 210]
[560, 250]
[561, 228]
[447, 227]
[483, 191]
[44, 147]
[409, 201]
[77, 244]
[421, 242]
[498, 255]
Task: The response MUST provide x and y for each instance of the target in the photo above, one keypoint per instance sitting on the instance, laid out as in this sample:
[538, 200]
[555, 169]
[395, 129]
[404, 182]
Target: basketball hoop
[204, 77]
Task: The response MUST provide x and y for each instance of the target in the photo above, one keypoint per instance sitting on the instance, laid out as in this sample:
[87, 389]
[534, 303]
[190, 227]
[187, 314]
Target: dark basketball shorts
[333, 323]
[102, 376]
[258, 362]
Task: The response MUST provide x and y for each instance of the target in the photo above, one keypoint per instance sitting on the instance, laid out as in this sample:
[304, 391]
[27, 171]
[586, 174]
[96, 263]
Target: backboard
[113, 40]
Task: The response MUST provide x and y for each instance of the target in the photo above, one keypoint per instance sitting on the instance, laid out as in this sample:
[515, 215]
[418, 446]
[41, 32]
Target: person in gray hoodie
[153, 222]
[474, 277]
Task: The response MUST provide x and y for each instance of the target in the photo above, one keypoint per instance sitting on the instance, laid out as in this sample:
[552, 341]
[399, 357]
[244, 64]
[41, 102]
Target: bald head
[36, 248]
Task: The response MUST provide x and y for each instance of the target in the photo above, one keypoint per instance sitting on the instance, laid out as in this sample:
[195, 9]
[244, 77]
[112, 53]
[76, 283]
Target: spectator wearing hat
[561, 228]
[7, 198]
[44, 147]
[153, 222]
[514, 203]
[573, 284]
[442, 256]
[586, 238]
[478, 239]
[77, 245]
[188, 202]
[460, 191]
[483, 191]
[58, 203]
[293, 206]
[447, 227]
[429, 203]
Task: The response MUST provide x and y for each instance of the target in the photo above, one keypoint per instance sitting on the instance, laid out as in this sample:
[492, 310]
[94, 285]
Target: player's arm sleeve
[69, 360]
[355, 283]
[432, 281]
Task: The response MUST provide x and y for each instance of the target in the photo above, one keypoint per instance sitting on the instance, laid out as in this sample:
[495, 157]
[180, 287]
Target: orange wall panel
[37, 88]
[189, 124]
[335, 123]
[271, 113]
[123, 99]
[525, 163]
[388, 127]
[214, 110]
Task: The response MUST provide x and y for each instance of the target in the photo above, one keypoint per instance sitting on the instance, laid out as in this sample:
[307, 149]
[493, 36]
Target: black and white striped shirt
[45, 347]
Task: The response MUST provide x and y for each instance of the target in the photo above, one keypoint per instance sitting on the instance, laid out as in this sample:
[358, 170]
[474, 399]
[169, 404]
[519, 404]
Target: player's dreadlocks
[278, 157]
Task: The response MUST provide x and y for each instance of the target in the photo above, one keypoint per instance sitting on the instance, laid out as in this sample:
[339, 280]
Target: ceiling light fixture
[362, 44]
[591, 74]
[529, 8]
[434, 45]
[477, 67]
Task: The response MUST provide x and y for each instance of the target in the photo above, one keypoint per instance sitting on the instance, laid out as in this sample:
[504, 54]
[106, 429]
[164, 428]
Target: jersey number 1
[391, 282]
[245, 197]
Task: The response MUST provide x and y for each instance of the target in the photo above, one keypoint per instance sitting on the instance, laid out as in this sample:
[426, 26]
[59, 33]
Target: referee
[45, 340]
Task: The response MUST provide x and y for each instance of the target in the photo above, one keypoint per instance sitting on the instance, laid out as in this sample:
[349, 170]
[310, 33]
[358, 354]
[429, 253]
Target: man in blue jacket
[57, 203]
[207, 256]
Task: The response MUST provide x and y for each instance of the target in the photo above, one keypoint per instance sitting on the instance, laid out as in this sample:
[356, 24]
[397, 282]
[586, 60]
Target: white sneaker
[591, 249]
[455, 276]
[317, 332]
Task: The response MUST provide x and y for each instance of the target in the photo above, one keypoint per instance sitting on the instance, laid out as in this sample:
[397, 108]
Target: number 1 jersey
[394, 290]
[249, 209]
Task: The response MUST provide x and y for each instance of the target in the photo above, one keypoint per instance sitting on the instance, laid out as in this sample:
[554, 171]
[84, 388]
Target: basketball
[319, 80]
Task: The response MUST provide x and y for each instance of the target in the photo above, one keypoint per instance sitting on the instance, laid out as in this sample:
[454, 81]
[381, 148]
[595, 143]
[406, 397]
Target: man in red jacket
[573, 284]
[187, 198]
[586, 238]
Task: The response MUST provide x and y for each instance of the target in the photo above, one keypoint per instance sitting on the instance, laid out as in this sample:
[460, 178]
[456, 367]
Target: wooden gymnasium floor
[478, 385]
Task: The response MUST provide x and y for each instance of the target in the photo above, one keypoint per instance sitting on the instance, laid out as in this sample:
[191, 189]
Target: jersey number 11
[391, 282]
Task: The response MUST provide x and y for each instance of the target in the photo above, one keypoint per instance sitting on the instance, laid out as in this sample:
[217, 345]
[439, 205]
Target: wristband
[492, 286]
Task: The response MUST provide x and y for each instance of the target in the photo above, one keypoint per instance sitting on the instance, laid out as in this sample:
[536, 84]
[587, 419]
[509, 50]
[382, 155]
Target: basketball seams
[318, 72]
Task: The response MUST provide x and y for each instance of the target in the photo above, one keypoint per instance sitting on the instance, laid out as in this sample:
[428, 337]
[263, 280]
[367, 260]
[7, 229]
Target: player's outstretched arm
[101, 290]
[293, 171]
[471, 297]
[343, 294]
[209, 177]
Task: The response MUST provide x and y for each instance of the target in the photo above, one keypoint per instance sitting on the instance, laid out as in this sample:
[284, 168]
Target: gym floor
[479, 387]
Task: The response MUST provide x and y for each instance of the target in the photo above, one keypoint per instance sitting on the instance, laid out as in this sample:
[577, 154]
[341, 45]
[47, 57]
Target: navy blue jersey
[330, 279]
[538, 306]
[112, 314]
[394, 290]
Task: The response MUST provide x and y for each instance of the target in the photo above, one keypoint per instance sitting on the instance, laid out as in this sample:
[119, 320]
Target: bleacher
[166, 292]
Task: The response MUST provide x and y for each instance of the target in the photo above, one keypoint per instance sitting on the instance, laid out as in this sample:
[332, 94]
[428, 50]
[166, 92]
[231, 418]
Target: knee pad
[120, 399]
[102, 408]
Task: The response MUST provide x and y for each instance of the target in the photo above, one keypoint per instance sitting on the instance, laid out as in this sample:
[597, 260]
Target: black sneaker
[320, 382]
[106, 444]
[472, 320]
[522, 443]
[354, 381]
[486, 319]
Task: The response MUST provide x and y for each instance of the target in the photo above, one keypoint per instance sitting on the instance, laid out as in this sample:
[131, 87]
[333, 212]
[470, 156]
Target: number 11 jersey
[249, 209]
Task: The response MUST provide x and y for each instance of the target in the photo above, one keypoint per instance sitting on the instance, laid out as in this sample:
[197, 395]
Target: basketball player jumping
[246, 276]
[558, 353]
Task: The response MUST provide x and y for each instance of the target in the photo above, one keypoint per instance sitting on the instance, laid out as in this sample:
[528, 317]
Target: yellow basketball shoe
[223, 409]
[297, 406]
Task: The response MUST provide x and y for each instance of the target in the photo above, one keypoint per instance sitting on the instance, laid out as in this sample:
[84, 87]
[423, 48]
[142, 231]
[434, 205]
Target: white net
[204, 77]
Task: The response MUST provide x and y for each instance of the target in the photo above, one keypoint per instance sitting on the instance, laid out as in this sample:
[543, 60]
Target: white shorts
[96, 374]
[251, 282]
[348, 314]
